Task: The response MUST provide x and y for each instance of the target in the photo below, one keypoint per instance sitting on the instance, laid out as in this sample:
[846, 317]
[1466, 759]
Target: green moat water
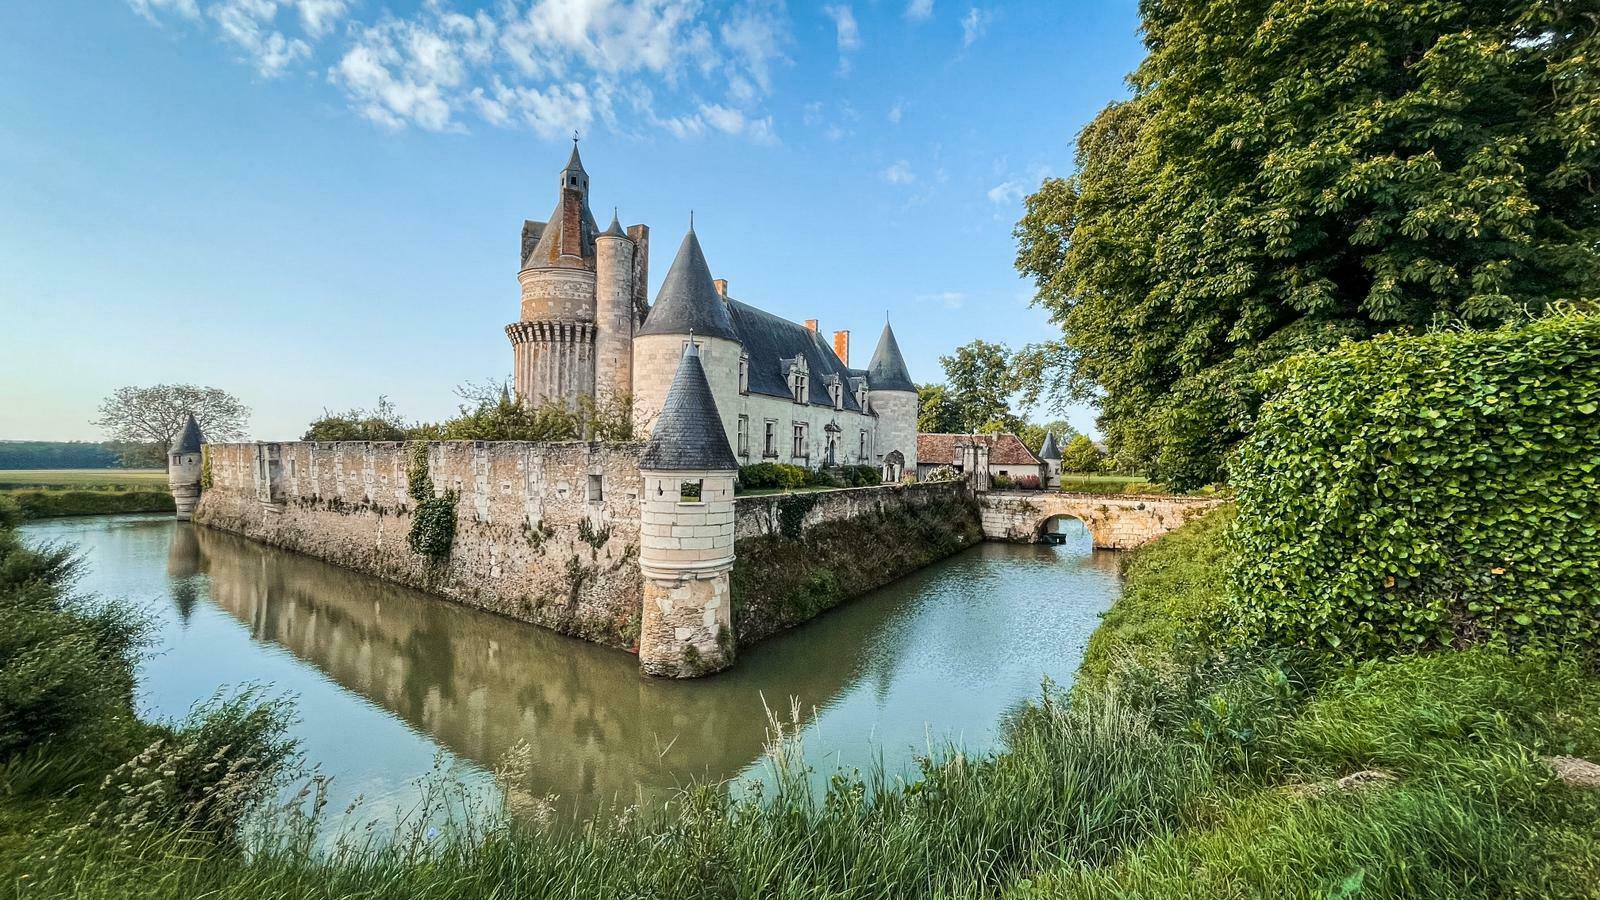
[390, 682]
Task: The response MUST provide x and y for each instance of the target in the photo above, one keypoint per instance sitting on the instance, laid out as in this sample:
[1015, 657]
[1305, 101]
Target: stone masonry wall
[1115, 521]
[547, 533]
[798, 555]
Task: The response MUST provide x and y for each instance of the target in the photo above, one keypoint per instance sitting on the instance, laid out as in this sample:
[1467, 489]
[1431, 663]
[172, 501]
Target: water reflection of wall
[479, 683]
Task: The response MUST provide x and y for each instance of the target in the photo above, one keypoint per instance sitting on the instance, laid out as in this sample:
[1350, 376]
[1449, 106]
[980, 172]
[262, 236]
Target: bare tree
[154, 415]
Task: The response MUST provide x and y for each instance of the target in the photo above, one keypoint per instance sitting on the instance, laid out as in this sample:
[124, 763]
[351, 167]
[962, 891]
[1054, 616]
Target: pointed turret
[888, 371]
[615, 229]
[688, 435]
[574, 175]
[190, 439]
[184, 468]
[1050, 450]
[688, 301]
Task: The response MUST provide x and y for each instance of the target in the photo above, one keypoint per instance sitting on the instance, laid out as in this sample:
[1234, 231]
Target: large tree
[1287, 175]
[981, 383]
[153, 416]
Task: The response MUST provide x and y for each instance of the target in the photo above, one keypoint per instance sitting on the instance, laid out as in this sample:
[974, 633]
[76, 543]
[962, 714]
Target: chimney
[811, 324]
[722, 287]
[841, 346]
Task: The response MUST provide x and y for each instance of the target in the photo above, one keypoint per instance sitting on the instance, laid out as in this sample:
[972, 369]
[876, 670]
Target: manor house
[588, 333]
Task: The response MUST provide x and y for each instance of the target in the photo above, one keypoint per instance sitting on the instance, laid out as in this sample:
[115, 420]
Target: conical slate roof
[1049, 450]
[689, 301]
[689, 433]
[616, 227]
[190, 439]
[574, 163]
[888, 372]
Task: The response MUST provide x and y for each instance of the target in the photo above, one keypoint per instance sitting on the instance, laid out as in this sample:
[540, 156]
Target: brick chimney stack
[841, 346]
[811, 324]
[722, 287]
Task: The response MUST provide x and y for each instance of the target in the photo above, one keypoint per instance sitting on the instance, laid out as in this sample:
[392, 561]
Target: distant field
[84, 479]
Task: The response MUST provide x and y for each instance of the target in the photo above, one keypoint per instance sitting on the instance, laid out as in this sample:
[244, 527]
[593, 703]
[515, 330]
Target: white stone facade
[685, 555]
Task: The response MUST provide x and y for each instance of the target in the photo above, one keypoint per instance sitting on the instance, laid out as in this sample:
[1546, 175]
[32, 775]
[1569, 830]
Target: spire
[688, 301]
[888, 372]
[190, 439]
[616, 227]
[688, 435]
[574, 162]
[1050, 450]
[566, 239]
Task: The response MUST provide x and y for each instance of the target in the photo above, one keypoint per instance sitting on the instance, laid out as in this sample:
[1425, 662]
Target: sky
[312, 203]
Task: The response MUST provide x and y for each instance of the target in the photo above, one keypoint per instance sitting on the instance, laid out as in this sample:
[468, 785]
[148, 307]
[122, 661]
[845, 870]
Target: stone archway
[1115, 521]
[894, 467]
[1044, 534]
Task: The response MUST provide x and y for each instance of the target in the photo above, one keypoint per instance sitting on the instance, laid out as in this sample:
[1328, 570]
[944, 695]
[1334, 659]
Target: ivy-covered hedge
[1410, 493]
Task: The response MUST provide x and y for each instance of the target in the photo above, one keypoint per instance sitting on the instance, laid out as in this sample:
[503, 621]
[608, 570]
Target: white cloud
[895, 113]
[919, 10]
[973, 25]
[899, 173]
[150, 9]
[546, 65]
[848, 33]
[1006, 192]
[250, 25]
[319, 16]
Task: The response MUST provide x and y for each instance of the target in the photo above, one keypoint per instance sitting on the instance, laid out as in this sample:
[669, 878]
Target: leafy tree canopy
[1288, 175]
[1081, 455]
[382, 423]
[153, 416]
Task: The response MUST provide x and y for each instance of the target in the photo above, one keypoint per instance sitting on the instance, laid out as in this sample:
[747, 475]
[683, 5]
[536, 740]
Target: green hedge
[772, 475]
[1410, 493]
[44, 504]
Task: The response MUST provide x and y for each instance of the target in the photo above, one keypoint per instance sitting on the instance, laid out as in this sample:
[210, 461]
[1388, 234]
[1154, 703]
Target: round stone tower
[689, 304]
[686, 548]
[893, 397]
[553, 341]
[614, 316]
[184, 468]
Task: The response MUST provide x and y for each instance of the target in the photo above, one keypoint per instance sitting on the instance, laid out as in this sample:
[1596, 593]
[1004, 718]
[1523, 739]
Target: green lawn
[84, 479]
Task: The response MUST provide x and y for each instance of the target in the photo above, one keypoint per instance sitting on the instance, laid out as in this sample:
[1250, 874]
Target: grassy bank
[47, 493]
[1171, 770]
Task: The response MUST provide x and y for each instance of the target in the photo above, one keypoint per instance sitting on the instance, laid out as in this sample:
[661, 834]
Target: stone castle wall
[547, 533]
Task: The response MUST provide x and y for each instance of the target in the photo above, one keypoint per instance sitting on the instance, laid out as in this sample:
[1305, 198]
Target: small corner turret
[184, 468]
[686, 549]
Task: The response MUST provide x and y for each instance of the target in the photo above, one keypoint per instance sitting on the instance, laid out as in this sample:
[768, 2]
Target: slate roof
[688, 433]
[1004, 449]
[616, 227]
[888, 371]
[546, 252]
[1049, 450]
[689, 301]
[190, 439]
[771, 341]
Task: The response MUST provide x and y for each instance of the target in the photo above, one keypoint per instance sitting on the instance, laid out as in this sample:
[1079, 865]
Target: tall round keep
[184, 466]
[686, 545]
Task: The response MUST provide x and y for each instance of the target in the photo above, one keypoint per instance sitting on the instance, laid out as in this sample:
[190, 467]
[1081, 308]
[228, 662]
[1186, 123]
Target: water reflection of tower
[183, 570]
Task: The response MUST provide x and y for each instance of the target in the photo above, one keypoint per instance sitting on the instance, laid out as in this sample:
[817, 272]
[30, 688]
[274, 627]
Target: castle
[588, 333]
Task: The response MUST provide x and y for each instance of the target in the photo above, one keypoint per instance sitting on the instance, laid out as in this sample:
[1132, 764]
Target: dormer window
[836, 394]
[798, 378]
[799, 382]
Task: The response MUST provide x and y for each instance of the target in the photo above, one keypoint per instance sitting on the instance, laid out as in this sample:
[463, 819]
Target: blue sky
[314, 202]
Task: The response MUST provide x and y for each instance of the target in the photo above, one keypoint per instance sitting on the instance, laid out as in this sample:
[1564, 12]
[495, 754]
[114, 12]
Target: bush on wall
[772, 475]
[1409, 493]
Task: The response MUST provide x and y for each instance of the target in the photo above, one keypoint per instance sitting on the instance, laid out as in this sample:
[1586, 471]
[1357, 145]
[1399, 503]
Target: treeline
[69, 455]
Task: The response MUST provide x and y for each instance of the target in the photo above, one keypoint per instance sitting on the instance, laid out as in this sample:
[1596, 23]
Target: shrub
[943, 473]
[66, 664]
[861, 476]
[772, 475]
[1409, 493]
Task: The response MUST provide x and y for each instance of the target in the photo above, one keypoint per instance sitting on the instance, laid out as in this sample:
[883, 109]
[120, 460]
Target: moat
[389, 681]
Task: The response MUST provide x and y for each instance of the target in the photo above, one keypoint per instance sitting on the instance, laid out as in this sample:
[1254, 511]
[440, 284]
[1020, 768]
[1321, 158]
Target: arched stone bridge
[1115, 521]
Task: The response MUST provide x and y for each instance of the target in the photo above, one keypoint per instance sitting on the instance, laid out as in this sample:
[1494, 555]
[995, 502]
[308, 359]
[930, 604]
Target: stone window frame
[597, 488]
[744, 373]
[861, 456]
[801, 446]
[744, 437]
[692, 492]
[769, 449]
